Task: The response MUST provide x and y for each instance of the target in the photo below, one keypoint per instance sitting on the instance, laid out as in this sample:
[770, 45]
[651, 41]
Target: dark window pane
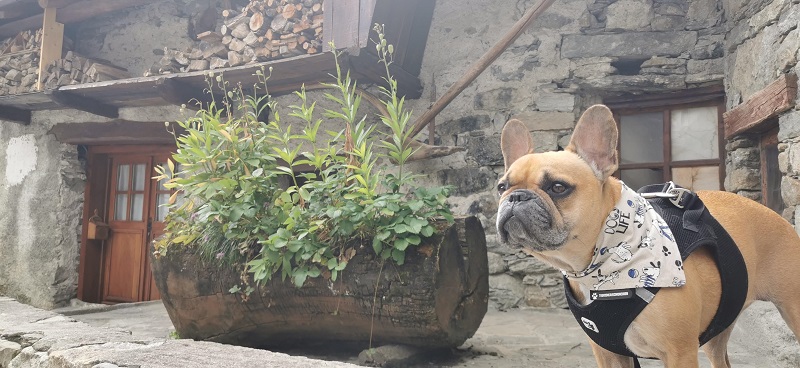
[637, 178]
[641, 138]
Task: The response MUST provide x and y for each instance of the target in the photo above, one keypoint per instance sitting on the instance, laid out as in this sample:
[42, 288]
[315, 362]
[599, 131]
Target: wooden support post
[52, 43]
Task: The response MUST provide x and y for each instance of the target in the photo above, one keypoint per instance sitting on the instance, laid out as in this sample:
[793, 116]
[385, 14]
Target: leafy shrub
[247, 200]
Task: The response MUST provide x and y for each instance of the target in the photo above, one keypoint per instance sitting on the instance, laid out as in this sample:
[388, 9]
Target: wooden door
[136, 218]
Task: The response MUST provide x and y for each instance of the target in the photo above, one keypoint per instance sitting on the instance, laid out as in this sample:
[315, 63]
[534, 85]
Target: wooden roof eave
[288, 75]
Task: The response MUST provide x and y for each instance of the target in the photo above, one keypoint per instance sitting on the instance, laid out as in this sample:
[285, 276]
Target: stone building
[709, 86]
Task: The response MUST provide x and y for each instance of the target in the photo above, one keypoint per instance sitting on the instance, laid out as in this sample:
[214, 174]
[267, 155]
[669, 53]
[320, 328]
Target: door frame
[96, 194]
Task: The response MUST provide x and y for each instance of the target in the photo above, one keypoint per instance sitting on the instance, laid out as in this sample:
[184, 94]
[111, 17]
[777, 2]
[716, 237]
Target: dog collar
[635, 249]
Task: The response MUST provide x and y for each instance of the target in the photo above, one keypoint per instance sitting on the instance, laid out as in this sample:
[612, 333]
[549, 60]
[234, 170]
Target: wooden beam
[767, 103]
[55, 3]
[52, 44]
[71, 13]
[179, 93]
[77, 102]
[15, 115]
[113, 132]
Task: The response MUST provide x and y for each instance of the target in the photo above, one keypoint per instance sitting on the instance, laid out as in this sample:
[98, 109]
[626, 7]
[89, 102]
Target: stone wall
[763, 43]
[41, 193]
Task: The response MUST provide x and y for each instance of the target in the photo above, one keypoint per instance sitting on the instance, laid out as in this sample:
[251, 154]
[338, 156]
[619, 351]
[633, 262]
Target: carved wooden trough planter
[436, 299]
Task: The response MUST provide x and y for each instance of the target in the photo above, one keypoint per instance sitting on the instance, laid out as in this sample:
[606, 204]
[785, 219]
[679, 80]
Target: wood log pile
[19, 62]
[260, 31]
[75, 69]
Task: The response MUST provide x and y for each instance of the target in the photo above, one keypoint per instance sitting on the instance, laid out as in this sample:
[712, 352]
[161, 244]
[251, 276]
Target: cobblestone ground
[543, 338]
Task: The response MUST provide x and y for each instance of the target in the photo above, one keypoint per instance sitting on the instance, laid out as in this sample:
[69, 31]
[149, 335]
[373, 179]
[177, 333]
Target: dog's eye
[558, 188]
[502, 187]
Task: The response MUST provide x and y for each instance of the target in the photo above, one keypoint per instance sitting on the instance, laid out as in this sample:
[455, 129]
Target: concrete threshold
[35, 338]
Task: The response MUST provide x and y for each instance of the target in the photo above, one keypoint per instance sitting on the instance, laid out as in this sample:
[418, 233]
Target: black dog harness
[606, 320]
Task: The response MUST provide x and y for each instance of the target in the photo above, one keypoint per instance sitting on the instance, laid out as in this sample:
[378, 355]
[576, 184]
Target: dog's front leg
[607, 359]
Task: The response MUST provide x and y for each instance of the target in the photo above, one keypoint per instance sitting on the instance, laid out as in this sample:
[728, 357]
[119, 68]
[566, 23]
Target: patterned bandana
[635, 249]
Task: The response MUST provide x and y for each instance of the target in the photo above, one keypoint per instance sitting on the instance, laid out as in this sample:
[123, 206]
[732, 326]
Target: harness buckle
[676, 195]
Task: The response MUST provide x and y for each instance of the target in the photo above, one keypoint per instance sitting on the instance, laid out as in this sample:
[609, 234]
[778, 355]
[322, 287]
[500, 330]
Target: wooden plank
[341, 23]
[28, 101]
[55, 3]
[179, 93]
[71, 13]
[767, 103]
[52, 44]
[81, 103]
[366, 12]
[15, 115]
[113, 132]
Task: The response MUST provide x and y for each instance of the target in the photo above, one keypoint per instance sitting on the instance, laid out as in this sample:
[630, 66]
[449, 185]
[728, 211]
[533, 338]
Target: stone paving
[138, 335]
[543, 338]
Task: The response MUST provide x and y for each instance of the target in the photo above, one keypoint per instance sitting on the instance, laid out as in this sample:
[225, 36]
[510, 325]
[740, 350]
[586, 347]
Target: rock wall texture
[41, 193]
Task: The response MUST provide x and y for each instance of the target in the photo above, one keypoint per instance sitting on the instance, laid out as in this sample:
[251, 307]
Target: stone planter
[436, 299]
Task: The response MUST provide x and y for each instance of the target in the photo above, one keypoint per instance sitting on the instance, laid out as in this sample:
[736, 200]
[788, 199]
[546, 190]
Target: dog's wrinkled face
[550, 200]
[543, 197]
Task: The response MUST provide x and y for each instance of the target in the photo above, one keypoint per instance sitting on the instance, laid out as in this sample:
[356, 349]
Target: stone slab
[48, 339]
[628, 45]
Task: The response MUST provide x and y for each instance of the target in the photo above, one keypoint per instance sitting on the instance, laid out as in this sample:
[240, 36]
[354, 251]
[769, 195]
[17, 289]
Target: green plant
[258, 193]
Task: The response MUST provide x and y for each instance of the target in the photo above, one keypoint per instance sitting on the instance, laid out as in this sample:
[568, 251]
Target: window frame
[666, 103]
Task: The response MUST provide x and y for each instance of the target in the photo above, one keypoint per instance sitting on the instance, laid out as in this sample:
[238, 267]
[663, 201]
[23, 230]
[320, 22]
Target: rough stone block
[8, 350]
[793, 156]
[529, 266]
[677, 8]
[536, 297]
[592, 68]
[496, 263]
[505, 290]
[790, 191]
[768, 15]
[708, 47]
[703, 14]
[789, 125]
[549, 101]
[628, 45]
[705, 70]
[545, 141]
[664, 23]
[485, 150]
[745, 157]
[629, 15]
[496, 99]
[547, 120]
[743, 179]
[739, 142]
[467, 180]
[783, 162]
[388, 356]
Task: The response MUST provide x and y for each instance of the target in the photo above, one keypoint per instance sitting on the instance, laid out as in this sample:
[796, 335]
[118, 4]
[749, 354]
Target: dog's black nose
[520, 196]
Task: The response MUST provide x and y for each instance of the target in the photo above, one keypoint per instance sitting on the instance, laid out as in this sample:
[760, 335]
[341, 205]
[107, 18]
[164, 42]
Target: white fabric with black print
[635, 249]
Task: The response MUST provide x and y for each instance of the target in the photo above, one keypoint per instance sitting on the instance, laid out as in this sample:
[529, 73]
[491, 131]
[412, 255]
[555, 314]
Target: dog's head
[557, 201]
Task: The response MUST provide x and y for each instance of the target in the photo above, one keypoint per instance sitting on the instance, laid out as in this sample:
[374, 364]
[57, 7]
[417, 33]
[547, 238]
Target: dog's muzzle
[523, 219]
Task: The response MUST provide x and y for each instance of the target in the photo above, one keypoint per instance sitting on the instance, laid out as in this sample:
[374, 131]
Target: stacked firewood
[19, 62]
[263, 30]
[75, 69]
[19, 73]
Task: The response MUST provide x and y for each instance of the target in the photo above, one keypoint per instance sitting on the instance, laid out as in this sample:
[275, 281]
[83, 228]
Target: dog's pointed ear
[595, 140]
[515, 142]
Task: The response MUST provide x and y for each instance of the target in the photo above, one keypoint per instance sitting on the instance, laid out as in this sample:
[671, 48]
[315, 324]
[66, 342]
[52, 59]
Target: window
[670, 137]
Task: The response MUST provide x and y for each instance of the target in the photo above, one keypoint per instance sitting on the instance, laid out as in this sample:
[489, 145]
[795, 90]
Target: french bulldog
[553, 206]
